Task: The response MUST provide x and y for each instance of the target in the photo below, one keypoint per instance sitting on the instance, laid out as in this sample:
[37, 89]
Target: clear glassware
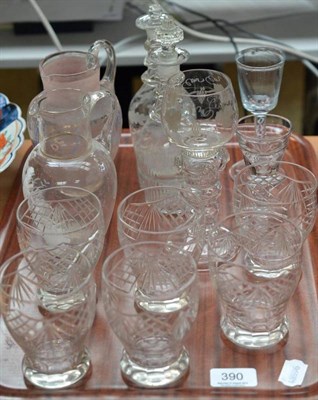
[53, 343]
[161, 213]
[81, 70]
[260, 72]
[265, 150]
[151, 299]
[288, 189]
[199, 113]
[62, 215]
[256, 264]
[158, 160]
[66, 154]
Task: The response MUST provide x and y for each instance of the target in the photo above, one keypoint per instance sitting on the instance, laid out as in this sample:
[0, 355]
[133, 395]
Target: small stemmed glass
[259, 71]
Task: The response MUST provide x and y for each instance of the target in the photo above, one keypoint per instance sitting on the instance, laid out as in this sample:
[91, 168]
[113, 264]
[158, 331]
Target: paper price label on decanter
[233, 377]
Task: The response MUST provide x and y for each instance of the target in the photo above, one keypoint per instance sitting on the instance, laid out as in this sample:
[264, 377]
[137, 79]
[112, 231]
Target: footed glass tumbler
[58, 215]
[53, 342]
[289, 189]
[255, 262]
[266, 149]
[162, 213]
[151, 298]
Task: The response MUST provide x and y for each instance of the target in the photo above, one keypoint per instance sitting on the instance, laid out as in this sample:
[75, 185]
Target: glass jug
[66, 154]
[81, 70]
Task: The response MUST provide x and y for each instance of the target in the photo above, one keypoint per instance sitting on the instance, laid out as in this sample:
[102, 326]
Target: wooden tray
[206, 347]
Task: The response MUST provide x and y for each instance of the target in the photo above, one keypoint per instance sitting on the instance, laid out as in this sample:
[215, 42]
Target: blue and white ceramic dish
[12, 127]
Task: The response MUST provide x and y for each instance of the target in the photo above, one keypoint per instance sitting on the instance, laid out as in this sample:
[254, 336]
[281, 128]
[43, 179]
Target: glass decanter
[81, 70]
[67, 155]
[157, 158]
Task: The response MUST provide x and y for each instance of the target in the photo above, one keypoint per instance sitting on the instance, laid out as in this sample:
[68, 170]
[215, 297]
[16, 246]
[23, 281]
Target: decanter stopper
[166, 59]
[150, 22]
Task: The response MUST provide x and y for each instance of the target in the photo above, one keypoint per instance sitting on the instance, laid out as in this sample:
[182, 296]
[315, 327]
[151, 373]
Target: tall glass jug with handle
[81, 70]
[67, 155]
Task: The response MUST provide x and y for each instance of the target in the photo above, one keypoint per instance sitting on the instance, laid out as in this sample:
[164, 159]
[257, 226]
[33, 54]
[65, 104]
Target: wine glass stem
[260, 124]
[202, 177]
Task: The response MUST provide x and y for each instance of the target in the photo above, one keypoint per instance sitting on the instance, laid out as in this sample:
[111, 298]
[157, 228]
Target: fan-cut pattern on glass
[59, 271]
[281, 194]
[161, 215]
[263, 243]
[77, 221]
[46, 335]
[64, 215]
[157, 275]
[259, 303]
[151, 302]
[146, 332]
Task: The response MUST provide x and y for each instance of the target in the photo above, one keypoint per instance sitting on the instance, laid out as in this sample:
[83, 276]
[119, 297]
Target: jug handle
[108, 78]
[95, 97]
[34, 120]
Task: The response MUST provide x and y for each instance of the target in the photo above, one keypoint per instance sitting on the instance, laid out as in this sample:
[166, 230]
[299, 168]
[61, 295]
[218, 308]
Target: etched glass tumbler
[255, 262]
[53, 342]
[161, 213]
[60, 216]
[57, 215]
[268, 148]
[290, 190]
[151, 298]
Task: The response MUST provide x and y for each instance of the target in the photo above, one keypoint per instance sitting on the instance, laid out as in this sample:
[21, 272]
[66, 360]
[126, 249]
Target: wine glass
[199, 114]
[259, 71]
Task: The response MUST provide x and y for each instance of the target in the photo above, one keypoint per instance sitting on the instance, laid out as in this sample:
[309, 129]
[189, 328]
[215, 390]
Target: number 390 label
[233, 377]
